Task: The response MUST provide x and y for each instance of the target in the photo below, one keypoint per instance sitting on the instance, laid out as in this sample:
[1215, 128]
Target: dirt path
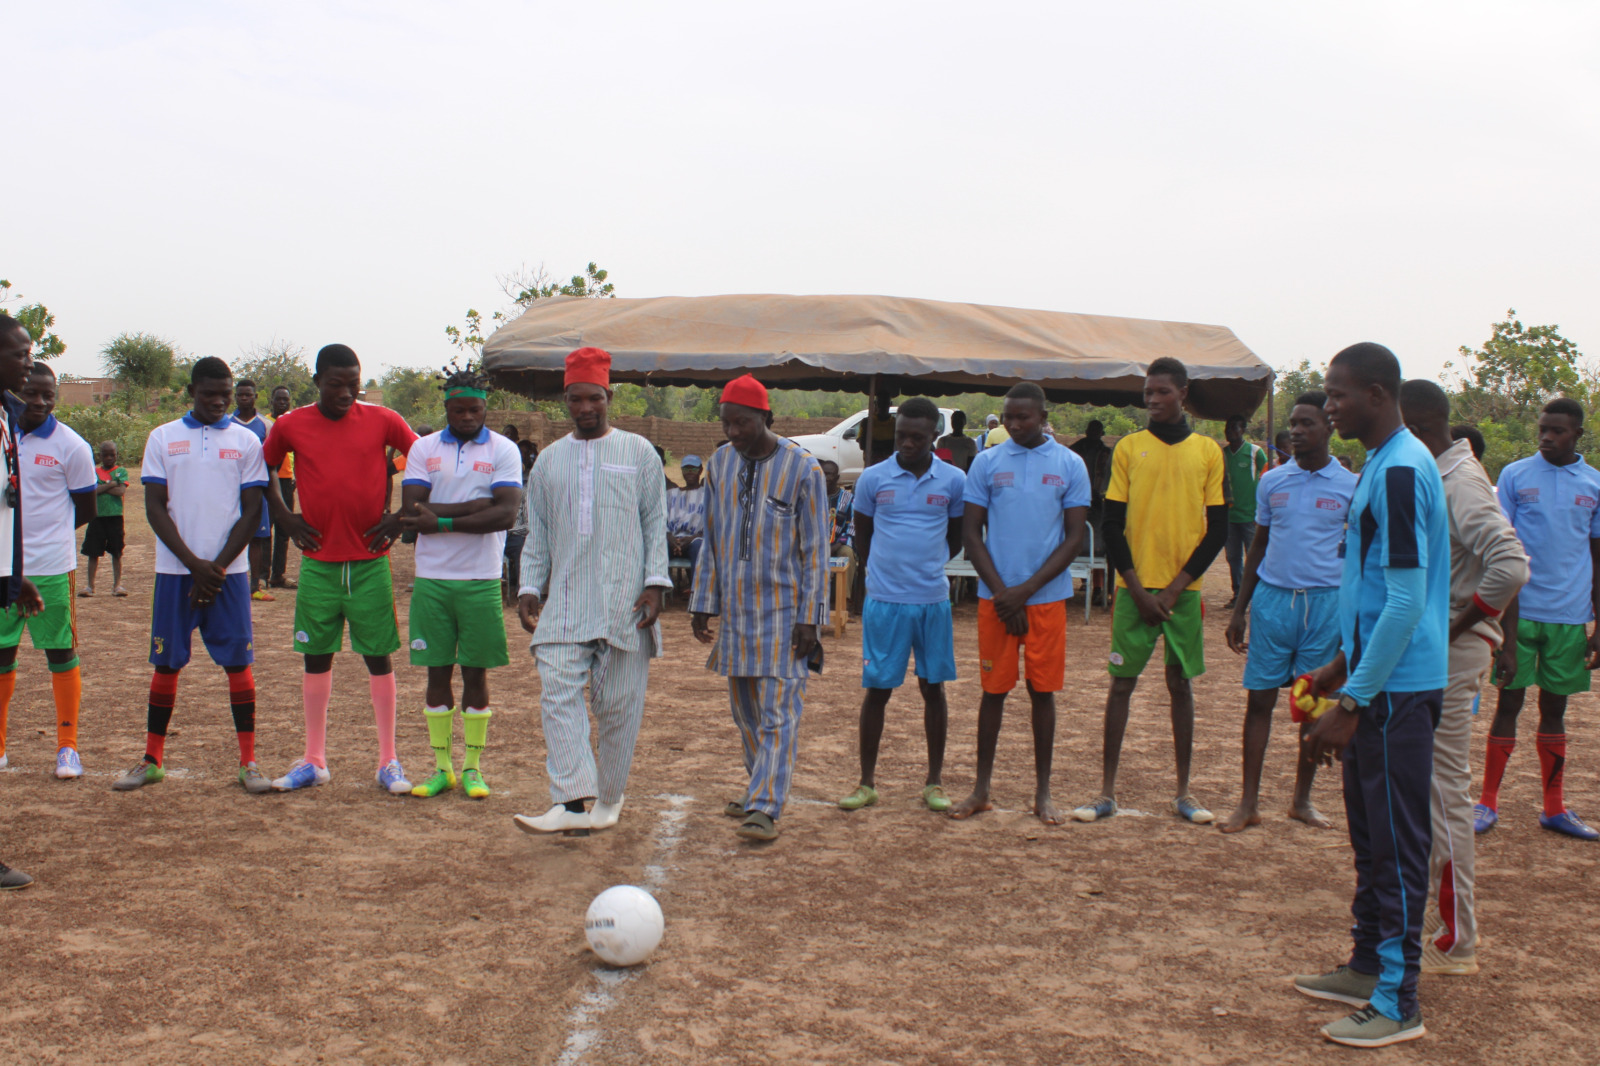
[190, 922]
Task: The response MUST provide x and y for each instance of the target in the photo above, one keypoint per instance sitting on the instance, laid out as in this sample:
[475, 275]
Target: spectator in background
[511, 434]
[995, 433]
[1473, 438]
[841, 514]
[282, 404]
[686, 518]
[260, 550]
[1096, 455]
[881, 418]
[103, 536]
[1282, 452]
[1245, 463]
[530, 452]
[963, 449]
[517, 535]
[1344, 461]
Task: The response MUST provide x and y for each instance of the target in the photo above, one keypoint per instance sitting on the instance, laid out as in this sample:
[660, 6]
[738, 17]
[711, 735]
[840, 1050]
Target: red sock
[1553, 768]
[1494, 768]
[242, 697]
[163, 692]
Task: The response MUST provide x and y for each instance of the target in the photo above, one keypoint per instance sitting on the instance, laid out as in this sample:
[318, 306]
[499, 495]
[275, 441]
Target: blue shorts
[891, 632]
[265, 528]
[224, 625]
[1292, 632]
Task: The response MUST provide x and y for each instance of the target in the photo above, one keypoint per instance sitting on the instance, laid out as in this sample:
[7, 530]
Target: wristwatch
[1348, 703]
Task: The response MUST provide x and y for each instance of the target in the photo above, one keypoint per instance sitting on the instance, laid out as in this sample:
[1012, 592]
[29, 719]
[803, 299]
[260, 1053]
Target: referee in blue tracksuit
[1388, 679]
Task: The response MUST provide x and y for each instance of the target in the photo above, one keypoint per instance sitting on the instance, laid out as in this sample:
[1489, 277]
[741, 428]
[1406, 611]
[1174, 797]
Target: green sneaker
[1368, 1028]
[472, 781]
[1342, 985]
[863, 796]
[254, 781]
[441, 781]
[146, 773]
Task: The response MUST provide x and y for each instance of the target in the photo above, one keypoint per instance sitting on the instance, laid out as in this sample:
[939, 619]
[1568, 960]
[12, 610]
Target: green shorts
[1552, 655]
[457, 622]
[1133, 642]
[54, 628]
[330, 593]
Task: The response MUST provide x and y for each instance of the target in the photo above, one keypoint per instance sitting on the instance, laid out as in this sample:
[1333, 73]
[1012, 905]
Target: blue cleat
[1570, 824]
[1483, 818]
[68, 765]
[392, 778]
[302, 775]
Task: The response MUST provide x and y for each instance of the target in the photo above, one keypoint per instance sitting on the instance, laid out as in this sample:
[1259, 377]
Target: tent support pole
[872, 399]
[1272, 387]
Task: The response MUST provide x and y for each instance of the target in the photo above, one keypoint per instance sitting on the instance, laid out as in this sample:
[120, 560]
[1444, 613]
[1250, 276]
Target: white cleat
[3, 760]
[605, 815]
[556, 820]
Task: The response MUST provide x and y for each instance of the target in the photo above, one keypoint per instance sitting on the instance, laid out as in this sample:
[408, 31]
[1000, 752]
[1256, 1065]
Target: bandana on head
[588, 366]
[459, 391]
[746, 391]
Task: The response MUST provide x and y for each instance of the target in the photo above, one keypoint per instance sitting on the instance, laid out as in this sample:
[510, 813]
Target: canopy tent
[924, 347]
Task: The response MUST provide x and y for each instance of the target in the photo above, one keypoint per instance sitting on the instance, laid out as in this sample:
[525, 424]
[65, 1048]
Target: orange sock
[8, 684]
[67, 686]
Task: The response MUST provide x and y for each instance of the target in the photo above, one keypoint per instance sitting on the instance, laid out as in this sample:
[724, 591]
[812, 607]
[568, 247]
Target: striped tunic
[597, 535]
[765, 558]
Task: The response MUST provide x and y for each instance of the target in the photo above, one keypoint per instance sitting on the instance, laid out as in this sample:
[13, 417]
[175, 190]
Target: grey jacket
[1487, 562]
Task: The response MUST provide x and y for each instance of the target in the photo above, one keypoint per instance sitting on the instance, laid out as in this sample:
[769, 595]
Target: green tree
[1518, 369]
[37, 320]
[141, 362]
[275, 363]
[524, 286]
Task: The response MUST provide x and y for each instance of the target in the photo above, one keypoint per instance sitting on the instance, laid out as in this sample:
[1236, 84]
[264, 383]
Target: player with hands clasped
[1166, 520]
[203, 478]
[1288, 600]
[1388, 680]
[1027, 499]
[462, 489]
[594, 570]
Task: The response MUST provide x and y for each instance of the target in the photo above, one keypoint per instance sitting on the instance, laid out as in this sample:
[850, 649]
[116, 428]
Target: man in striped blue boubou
[597, 537]
[762, 570]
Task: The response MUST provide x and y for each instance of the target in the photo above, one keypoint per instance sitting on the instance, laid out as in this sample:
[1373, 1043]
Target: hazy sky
[1307, 174]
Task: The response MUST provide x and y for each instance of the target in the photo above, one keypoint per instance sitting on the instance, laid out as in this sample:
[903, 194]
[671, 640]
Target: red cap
[589, 366]
[746, 392]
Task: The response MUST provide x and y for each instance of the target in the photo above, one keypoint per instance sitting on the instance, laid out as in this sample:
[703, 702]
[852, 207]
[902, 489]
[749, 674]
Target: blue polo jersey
[1398, 519]
[1025, 490]
[1553, 509]
[910, 518]
[1306, 511]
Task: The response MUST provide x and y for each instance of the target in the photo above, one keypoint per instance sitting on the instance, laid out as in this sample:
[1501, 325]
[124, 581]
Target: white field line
[583, 1023]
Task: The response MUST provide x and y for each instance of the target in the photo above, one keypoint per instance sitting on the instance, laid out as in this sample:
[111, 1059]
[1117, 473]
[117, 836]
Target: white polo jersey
[204, 469]
[55, 464]
[456, 471]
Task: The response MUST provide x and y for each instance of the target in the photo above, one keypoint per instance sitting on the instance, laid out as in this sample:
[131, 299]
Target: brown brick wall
[678, 438]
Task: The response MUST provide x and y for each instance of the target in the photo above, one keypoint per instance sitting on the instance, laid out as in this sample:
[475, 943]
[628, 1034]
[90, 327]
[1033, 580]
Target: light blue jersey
[1025, 491]
[1554, 511]
[910, 525]
[1306, 512]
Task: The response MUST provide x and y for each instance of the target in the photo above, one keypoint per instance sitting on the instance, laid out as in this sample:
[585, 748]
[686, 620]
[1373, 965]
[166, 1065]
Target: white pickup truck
[842, 443]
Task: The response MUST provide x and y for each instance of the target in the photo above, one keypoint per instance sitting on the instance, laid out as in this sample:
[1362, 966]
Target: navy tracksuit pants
[1388, 768]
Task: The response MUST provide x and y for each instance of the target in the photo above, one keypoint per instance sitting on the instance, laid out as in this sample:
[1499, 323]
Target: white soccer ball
[624, 925]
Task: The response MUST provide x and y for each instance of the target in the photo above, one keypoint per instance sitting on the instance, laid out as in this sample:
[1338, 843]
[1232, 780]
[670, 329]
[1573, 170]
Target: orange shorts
[1044, 648]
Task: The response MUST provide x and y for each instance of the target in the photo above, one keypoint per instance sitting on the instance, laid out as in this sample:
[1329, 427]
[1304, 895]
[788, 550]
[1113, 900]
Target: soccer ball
[624, 925]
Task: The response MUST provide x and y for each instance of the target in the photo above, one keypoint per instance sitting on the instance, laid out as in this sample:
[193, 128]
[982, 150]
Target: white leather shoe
[605, 815]
[556, 820]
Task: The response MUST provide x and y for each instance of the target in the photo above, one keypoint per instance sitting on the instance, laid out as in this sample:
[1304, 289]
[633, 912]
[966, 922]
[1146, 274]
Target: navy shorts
[224, 624]
[892, 632]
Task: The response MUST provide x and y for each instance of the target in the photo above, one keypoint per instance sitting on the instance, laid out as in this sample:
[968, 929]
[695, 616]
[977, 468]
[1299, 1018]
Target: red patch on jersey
[1585, 501]
[1324, 504]
[230, 453]
[483, 468]
[884, 497]
[938, 501]
[1278, 499]
[435, 464]
[46, 460]
[1053, 479]
[1003, 478]
[178, 447]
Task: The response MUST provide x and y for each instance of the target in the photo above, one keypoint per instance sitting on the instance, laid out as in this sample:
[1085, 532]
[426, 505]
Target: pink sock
[383, 700]
[316, 690]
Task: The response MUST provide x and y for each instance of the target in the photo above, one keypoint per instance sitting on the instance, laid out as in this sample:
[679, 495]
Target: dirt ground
[190, 922]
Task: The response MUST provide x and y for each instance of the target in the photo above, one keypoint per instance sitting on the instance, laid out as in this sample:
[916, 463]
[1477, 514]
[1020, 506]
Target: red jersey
[340, 469]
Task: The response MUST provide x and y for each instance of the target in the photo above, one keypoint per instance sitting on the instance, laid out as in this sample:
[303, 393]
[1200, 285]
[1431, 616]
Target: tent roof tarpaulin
[839, 342]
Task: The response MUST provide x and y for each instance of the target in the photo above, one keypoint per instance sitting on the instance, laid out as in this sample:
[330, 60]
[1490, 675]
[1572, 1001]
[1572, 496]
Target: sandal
[86, 594]
[734, 809]
[758, 826]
